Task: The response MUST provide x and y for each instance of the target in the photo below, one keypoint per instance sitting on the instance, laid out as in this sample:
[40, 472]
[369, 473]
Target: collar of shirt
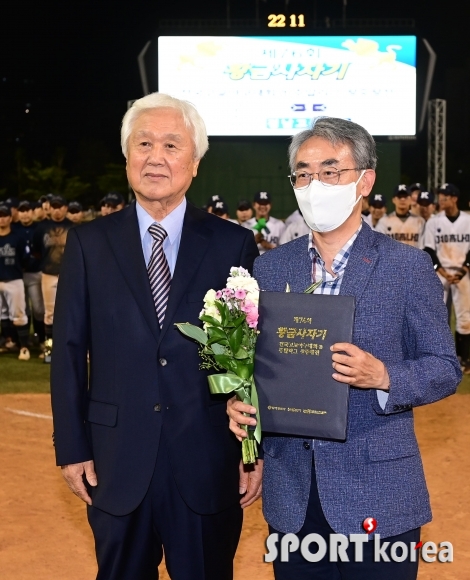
[338, 266]
[173, 225]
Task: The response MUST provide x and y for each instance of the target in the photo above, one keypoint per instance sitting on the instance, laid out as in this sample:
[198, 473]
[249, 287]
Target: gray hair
[192, 119]
[335, 130]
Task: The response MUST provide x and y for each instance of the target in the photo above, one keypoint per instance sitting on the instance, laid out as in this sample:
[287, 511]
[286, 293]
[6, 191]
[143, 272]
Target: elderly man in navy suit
[138, 435]
[402, 356]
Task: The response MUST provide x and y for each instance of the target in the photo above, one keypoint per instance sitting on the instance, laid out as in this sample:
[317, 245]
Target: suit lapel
[361, 264]
[299, 270]
[195, 240]
[127, 248]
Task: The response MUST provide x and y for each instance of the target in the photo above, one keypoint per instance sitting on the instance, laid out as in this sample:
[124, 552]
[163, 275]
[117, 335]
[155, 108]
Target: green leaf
[226, 362]
[243, 370]
[213, 332]
[311, 289]
[192, 331]
[241, 354]
[216, 340]
[210, 319]
[217, 348]
[238, 321]
[235, 339]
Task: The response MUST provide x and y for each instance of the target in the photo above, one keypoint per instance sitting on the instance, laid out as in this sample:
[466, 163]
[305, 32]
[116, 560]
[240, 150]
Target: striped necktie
[159, 271]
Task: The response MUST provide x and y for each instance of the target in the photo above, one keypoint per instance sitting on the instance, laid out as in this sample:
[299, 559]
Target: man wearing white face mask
[402, 356]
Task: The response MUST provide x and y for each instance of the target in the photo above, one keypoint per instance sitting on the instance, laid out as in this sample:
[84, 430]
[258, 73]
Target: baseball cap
[58, 201]
[213, 200]
[49, 196]
[377, 200]
[262, 197]
[243, 205]
[24, 205]
[220, 208]
[13, 202]
[425, 198]
[75, 207]
[5, 209]
[401, 191]
[415, 186]
[449, 189]
[113, 198]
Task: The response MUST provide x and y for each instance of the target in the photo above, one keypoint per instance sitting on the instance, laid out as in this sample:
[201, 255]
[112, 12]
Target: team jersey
[276, 229]
[12, 252]
[294, 230]
[409, 230]
[31, 263]
[450, 241]
[49, 243]
[294, 217]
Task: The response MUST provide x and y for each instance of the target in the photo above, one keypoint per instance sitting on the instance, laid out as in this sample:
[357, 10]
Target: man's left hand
[250, 482]
[358, 368]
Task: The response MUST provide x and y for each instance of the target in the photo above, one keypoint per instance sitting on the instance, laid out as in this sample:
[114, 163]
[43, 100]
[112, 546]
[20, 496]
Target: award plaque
[293, 367]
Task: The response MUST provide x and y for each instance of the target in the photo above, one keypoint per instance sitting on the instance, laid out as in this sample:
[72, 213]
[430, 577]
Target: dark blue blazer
[401, 319]
[143, 383]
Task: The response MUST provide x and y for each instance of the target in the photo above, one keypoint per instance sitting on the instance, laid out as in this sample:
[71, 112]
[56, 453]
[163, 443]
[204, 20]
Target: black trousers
[297, 568]
[196, 547]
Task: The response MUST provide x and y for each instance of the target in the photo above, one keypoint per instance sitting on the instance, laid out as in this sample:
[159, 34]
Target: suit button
[306, 445]
[163, 362]
[157, 407]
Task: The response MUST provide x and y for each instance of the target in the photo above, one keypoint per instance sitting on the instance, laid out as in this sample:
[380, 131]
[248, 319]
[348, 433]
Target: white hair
[192, 119]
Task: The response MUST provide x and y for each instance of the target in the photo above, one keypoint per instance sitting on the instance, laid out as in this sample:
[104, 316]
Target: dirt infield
[44, 534]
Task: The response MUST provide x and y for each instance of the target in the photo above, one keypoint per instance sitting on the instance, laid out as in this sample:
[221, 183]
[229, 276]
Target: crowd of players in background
[33, 236]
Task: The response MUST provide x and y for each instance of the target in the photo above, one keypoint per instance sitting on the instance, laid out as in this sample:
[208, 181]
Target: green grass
[17, 376]
[32, 376]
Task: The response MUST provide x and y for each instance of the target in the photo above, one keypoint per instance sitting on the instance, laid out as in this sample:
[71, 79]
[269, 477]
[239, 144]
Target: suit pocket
[102, 413]
[386, 449]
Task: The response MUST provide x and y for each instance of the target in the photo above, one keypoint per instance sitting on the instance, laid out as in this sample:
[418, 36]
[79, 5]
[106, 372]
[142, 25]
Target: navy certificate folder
[293, 366]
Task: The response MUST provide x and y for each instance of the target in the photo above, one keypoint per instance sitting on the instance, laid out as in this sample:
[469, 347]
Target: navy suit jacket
[143, 383]
[401, 319]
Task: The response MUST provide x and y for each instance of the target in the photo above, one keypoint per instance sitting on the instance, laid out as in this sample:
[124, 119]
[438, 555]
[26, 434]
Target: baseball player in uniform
[447, 241]
[426, 205]
[269, 237]
[415, 189]
[402, 225]
[377, 210]
[244, 212]
[12, 297]
[49, 244]
[32, 270]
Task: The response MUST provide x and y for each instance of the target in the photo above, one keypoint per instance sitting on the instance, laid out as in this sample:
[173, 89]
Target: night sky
[73, 65]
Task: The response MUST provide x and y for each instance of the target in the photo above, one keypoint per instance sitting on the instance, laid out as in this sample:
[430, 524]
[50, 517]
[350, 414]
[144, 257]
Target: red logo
[369, 524]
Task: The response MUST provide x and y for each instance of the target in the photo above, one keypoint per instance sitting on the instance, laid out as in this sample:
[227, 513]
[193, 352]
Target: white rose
[209, 298]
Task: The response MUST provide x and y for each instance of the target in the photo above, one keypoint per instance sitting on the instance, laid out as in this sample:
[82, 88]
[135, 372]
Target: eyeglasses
[328, 176]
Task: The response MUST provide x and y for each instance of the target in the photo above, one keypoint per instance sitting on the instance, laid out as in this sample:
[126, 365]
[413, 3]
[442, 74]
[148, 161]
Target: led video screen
[260, 86]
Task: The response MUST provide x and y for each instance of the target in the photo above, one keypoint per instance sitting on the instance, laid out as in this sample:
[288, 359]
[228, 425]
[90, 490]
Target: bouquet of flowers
[227, 339]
